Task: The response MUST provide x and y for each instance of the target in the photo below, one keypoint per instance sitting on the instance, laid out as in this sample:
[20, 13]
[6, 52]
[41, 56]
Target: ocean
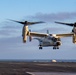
[37, 60]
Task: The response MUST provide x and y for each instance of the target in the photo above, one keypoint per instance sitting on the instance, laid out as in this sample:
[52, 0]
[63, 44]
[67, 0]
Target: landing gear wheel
[57, 47]
[40, 47]
[54, 47]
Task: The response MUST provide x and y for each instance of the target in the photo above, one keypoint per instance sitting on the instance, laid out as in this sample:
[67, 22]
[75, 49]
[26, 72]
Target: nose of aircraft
[58, 43]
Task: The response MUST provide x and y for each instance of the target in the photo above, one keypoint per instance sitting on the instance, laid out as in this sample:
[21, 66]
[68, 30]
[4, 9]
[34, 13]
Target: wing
[45, 35]
[64, 35]
[38, 34]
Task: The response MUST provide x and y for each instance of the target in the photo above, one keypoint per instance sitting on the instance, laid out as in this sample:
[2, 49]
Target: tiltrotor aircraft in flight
[45, 39]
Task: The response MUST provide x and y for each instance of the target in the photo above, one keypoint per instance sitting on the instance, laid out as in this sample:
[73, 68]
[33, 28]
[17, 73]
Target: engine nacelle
[24, 33]
[74, 38]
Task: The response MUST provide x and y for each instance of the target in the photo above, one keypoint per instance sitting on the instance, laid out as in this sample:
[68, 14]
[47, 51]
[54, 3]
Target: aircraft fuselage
[49, 41]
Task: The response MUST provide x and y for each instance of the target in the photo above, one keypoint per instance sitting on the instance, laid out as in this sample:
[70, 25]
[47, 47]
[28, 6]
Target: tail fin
[47, 31]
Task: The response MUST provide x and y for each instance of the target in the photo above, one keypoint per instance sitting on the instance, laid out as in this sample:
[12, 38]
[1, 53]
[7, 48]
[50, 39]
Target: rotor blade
[17, 21]
[31, 23]
[69, 24]
[26, 22]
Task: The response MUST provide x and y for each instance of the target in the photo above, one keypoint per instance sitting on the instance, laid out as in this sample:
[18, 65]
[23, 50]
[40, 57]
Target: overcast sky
[11, 46]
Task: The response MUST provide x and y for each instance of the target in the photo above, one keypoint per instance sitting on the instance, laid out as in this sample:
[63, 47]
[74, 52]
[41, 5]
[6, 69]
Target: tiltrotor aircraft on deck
[45, 39]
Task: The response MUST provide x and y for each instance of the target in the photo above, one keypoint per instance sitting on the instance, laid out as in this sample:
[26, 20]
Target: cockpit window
[54, 39]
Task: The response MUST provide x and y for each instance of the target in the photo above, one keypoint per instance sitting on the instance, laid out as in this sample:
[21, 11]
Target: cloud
[9, 29]
[54, 16]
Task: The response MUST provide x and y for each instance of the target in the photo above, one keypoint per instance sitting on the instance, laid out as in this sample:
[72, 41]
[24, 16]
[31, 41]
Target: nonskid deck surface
[50, 73]
[21, 68]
